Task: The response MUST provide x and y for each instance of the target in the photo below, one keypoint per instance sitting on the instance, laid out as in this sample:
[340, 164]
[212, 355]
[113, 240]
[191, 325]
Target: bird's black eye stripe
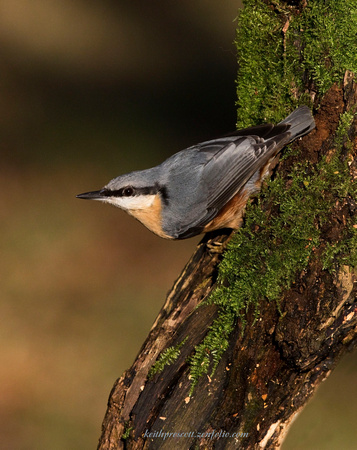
[130, 191]
[126, 191]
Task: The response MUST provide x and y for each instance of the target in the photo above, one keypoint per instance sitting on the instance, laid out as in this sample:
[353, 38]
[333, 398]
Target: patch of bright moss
[273, 69]
[212, 347]
[328, 29]
[260, 94]
[166, 358]
[126, 433]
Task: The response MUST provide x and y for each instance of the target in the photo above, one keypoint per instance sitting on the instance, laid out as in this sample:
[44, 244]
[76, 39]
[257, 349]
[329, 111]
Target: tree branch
[269, 354]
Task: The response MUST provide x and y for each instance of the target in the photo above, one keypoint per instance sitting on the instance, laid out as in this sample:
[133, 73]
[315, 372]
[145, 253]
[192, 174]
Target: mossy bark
[248, 333]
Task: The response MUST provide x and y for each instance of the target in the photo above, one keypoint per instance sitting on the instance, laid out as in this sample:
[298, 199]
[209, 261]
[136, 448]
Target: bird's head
[133, 191]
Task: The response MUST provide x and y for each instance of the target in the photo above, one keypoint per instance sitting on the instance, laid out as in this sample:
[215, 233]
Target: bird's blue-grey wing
[228, 164]
[230, 169]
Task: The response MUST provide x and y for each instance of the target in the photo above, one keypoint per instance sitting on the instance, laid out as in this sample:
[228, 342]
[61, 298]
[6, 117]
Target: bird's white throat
[130, 203]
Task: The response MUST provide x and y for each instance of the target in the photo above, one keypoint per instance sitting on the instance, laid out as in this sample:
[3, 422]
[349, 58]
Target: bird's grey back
[203, 178]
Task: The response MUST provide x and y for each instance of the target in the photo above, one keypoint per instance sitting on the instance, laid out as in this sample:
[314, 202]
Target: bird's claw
[215, 247]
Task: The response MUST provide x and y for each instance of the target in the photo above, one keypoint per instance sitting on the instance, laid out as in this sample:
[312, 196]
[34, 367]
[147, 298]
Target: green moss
[166, 358]
[347, 254]
[127, 430]
[265, 255]
[212, 347]
[329, 36]
[261, 67]
[344, 250]
[273, 68]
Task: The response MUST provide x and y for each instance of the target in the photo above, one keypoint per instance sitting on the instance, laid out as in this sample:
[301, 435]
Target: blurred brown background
[90, 90]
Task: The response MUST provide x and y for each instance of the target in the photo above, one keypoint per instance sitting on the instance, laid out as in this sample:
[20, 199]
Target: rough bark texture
[271, 369]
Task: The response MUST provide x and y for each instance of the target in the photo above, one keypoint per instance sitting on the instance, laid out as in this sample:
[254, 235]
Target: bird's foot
[215, 247]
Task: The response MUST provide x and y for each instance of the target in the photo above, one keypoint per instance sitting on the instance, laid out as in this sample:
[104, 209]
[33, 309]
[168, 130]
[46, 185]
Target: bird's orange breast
[231, 215]
[151, 217]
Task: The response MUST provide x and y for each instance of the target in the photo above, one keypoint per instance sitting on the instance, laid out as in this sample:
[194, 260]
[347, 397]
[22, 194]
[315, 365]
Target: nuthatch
[204, 187]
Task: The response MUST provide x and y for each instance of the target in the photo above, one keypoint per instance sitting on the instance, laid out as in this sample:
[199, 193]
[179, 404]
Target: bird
[207, 186]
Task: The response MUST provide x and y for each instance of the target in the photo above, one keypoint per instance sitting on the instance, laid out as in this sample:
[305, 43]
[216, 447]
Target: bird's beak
[94, 195]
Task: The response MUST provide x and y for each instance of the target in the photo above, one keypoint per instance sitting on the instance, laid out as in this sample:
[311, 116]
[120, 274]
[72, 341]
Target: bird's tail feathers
[301, 122]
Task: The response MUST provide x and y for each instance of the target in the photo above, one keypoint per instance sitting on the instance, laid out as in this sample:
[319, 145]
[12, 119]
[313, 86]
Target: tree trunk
[279, 350]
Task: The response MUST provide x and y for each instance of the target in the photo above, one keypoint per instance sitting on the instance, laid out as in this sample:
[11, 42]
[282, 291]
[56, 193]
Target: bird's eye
[128, 191]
